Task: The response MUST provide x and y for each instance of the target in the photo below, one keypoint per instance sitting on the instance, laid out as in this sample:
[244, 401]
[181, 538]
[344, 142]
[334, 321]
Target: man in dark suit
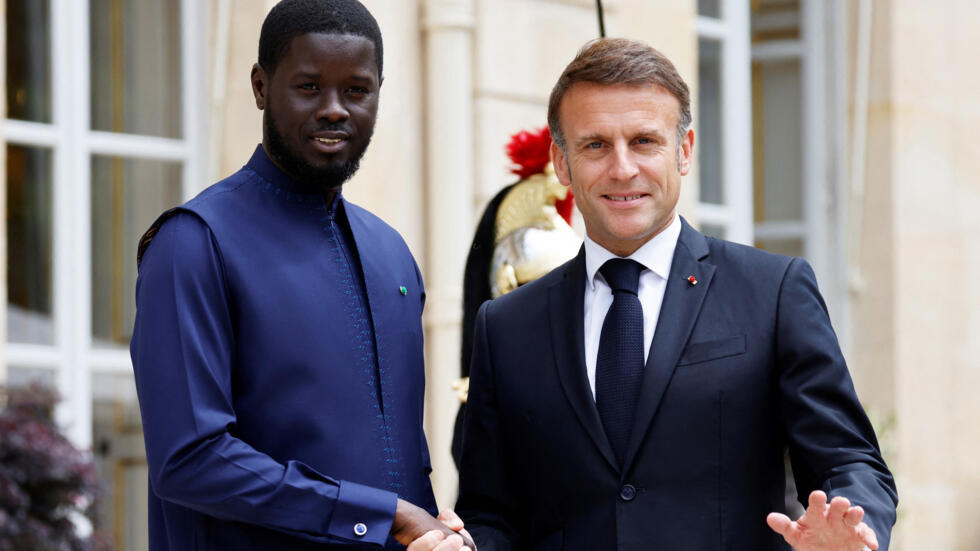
[642, 396]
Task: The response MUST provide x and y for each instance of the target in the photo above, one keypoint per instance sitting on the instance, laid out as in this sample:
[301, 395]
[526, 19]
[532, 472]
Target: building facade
[843, 131]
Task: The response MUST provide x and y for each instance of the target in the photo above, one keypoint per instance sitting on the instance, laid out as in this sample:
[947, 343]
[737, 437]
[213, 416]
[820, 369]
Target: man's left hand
[826, 527]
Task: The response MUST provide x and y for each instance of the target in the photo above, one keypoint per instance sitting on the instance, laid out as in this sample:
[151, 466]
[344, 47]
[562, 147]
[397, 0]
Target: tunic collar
[264, 167]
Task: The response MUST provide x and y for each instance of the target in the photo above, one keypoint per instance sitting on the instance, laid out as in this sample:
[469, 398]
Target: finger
[854, 516]
[780, 523]
[452, 543]
[838, 507]
[451, 520]
[817, 503]
[868, 535]
[427, 541]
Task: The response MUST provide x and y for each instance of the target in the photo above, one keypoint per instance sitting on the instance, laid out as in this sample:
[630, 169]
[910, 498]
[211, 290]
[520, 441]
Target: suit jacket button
[360, 529]
[627, 492]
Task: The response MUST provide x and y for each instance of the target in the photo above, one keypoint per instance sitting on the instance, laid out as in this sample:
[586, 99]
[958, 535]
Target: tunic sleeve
[183, 355]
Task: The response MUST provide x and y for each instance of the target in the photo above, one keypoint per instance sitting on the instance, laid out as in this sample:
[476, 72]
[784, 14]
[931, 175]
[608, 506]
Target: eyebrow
[652, 133]
[359, 79]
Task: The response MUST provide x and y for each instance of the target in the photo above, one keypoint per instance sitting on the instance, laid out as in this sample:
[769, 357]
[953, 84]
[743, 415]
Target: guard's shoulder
[533, 292]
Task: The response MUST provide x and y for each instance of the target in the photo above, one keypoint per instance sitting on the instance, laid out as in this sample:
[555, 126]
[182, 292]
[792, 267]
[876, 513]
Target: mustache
[334, 127]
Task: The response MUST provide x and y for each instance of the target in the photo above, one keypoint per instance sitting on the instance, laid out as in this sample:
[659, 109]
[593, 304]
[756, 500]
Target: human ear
[685, 152]
[260, 85]
[560, 164]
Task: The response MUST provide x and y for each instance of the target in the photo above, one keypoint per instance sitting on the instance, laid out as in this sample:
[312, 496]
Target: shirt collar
[655, 255]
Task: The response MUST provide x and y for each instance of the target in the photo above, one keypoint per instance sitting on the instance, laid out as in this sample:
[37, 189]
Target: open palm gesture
[826, 527]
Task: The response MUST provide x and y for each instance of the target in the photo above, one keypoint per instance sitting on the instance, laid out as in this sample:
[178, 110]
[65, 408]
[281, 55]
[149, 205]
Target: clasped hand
[417, 529]
[836, 526]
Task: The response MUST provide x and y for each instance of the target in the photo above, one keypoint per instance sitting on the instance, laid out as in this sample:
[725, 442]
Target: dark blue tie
[619, 365]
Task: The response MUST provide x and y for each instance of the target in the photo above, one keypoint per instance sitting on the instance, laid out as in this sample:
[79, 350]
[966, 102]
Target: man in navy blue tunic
[278, 338]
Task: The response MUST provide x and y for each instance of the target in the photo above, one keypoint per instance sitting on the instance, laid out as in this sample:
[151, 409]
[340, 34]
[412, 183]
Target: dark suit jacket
[743, 365]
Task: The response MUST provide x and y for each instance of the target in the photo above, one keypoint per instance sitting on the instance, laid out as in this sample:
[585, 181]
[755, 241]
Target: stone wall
[917, 310]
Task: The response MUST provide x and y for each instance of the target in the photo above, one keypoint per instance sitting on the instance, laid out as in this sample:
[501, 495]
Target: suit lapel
[566, 308]
[678, 312]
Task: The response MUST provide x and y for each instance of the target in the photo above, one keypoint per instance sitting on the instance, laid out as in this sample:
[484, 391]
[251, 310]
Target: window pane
[127, 196]
[709, 8]
[709, 121]
[136, 71]
[775, 20]
[29, 60]
[117, 437]
[20, 377]
[778, 141]
[29, 246]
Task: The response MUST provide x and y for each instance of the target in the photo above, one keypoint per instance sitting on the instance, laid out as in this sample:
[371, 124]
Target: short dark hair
[613, 61]
[292, 18]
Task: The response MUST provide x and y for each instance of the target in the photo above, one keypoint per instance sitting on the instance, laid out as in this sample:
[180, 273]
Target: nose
[332, 107]
[623, 164]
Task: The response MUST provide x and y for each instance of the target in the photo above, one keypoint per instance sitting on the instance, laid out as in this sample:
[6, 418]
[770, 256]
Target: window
[722, 136]
[103, 132]
[797, 166]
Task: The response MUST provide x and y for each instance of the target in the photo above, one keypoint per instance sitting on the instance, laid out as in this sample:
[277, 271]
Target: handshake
[416, 528]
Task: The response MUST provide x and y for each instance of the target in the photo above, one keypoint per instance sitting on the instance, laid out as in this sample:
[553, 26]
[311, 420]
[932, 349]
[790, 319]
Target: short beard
[322, 179]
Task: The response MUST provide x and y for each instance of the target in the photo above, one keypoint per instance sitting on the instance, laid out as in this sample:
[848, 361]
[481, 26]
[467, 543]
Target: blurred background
[842, 131]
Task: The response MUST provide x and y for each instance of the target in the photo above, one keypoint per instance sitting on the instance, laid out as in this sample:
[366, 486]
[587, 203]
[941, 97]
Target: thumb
[779, 523]
[451, 520]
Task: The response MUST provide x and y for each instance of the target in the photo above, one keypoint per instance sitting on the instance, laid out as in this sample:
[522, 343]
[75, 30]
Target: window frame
[731, 30]
[822, 228]
[73, 144]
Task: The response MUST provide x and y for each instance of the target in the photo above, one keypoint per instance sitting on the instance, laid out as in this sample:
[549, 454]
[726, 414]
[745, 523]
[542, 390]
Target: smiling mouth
[328, 141]
[623, 197]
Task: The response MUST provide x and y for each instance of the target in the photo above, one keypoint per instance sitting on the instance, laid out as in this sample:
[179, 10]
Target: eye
[358, 91]
[311, 86]
[593, 145]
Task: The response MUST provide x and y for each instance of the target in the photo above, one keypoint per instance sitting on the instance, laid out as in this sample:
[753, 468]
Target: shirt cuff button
[360, 529]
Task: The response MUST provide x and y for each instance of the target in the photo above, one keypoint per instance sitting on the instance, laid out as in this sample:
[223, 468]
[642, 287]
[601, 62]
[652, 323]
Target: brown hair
[613, 61]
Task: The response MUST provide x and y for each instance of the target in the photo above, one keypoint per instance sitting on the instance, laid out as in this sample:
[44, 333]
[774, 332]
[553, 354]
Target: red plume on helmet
[530, 153]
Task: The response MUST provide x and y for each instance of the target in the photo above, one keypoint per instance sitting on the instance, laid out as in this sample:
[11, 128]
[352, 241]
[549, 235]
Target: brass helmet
[524, 233]
[531, 238]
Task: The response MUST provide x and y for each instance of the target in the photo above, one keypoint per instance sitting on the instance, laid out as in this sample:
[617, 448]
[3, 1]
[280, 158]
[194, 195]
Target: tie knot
[622, 274]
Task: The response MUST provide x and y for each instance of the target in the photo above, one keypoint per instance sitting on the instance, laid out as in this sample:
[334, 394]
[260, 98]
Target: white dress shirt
[656, 256]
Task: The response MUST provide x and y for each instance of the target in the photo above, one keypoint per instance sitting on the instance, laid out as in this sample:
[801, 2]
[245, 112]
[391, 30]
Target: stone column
[448, 27]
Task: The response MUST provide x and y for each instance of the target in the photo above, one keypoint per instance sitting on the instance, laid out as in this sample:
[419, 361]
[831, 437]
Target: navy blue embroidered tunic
[278, 362]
